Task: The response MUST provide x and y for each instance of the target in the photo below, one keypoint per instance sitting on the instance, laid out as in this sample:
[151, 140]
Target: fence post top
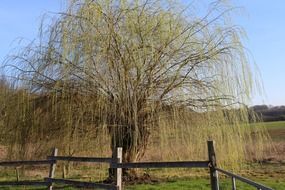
[54, 151]
[211, 144]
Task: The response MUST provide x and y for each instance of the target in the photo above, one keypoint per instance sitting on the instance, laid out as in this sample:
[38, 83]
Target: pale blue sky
[263, 20]
[264, 23]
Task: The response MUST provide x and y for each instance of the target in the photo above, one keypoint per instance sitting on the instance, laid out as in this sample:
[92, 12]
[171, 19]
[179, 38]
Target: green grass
[180, 184]
[273, 125]
[203, 184]
[275, 129]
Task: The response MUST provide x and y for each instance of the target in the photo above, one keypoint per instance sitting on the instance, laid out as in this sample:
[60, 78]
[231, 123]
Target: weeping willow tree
[149, 72]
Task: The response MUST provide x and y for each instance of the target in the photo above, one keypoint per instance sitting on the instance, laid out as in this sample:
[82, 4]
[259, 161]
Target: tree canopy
[139, 69]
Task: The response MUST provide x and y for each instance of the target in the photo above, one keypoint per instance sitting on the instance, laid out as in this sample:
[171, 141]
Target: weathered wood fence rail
[92, 185]
[117, 164]
[245, 180]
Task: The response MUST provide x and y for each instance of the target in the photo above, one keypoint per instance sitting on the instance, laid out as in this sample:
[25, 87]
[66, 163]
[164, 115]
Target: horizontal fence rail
[80, 159]
[26, 162]
[81, 183]
[26, 182]
[243, 179]
[20, 183]
[189, 164]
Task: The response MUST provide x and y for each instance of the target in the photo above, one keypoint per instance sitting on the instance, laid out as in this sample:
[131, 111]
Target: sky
[263, 21]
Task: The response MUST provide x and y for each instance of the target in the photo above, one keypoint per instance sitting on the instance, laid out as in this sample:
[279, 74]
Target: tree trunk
[133, 140]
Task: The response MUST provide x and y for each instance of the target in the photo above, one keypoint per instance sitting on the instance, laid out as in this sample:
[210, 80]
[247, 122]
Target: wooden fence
[117, 164]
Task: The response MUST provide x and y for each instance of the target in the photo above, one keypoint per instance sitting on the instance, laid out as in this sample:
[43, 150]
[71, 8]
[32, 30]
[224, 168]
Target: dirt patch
[143, 179]
[127, 179]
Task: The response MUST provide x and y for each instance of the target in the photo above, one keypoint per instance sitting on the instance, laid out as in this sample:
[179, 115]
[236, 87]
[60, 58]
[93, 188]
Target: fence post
[213, 171]
[234, 183]
[52, 167]
[119, 170]
[17, 174]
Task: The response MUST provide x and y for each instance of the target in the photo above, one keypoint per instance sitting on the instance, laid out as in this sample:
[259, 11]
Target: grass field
[181, 184]
[276, 130]
[203, 184]
[270, 173]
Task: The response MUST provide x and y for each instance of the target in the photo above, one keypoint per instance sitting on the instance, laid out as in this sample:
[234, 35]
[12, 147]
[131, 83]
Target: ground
[270, 172]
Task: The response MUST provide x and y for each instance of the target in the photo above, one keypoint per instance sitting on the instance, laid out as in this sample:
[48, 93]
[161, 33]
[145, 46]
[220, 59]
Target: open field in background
[276, 131]
[270, 171]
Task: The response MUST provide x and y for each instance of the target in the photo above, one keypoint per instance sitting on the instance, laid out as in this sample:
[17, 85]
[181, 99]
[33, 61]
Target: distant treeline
[269, 113]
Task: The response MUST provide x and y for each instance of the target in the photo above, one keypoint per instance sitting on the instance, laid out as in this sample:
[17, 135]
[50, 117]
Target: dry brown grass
[3, 152]
[277, 155]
